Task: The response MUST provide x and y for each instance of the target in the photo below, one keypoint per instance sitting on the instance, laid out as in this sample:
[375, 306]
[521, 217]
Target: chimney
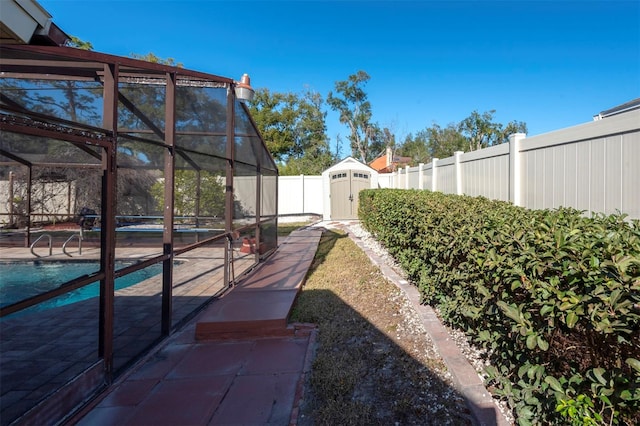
[389, 156]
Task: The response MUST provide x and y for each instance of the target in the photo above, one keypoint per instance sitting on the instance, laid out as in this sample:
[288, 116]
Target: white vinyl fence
[300, 195]
[297, 195]
[593, 167]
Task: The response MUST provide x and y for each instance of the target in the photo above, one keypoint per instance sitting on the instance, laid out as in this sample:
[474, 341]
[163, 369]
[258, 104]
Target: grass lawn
[374, 364]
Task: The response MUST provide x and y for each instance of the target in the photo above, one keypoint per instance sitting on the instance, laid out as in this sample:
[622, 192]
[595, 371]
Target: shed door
[345, 188]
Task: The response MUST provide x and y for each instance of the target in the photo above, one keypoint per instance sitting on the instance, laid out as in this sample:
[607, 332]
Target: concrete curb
[466, 379]
[312, 331]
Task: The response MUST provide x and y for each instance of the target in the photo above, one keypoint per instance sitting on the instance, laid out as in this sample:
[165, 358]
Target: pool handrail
[64, 246]
[38, 239]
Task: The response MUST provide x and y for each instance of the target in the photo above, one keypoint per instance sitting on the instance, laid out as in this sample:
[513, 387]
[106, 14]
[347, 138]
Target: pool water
[21, 280]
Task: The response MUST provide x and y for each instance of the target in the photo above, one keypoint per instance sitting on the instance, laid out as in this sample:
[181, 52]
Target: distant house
[27, 22]
[389, 163]
[625, 107]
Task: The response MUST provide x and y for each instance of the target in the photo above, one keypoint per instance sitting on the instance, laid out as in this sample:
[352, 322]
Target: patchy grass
[374, 363]
[285, 229]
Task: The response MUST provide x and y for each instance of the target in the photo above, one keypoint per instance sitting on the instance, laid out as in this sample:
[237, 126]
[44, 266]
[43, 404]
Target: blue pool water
[21, 280]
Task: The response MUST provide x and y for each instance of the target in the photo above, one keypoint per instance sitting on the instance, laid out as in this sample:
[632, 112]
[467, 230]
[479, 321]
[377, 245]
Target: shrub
[553, 295]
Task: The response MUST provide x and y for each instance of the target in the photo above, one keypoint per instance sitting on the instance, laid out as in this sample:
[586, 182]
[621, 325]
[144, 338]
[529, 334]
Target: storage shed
[341, 185]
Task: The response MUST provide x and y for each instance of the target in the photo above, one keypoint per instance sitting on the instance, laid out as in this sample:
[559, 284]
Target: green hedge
[553, 295]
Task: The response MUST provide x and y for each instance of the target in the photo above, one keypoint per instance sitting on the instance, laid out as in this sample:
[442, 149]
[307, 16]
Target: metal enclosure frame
[47, 63]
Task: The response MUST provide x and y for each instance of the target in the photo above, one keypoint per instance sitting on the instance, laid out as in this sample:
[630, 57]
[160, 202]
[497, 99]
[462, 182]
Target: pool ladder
[38, 239]
[64, 246]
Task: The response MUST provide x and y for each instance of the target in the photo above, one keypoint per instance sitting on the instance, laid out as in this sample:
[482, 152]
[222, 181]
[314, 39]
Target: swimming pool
[21, 280]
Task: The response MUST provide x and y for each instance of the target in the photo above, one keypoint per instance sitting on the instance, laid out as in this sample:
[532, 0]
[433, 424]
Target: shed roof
[349, 163]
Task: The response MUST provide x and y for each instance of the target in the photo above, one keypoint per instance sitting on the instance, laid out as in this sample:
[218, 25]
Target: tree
[79, 44]
[416, 147]
[151, 57]
[513, 127]
[443, 142]
[294, 130]
[351, 102]
[474, 132]
[275, 116]
[312, 138]
[380, 140]
[481, 132]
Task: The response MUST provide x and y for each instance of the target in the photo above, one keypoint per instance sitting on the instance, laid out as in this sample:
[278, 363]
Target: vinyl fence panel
[593, 167]
[300, 195]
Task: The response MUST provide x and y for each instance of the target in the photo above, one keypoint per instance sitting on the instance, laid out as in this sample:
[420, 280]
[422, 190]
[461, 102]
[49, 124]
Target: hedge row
[552, 295]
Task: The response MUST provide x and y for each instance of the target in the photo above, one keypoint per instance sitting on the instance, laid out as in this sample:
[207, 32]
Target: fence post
[515, 184]
[458, 169]
[406, 177]
[420, 172]
[302, 183]
[434, 174]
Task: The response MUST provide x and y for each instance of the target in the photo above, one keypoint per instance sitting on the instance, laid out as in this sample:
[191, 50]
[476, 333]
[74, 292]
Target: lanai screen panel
[248, 145]
[201, 119]
[67, 99]
[141, 109]
[139, 193]
[245, 182]
[269, 207]
[46, 180]
[199, 199]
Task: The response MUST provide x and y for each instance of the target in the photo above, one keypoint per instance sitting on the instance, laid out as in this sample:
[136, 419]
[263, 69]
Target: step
[243, 314]
[260, 304]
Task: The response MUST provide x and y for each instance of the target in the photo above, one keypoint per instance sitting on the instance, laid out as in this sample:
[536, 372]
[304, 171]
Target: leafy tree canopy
[481, 131]
[151, 57]
[416, 147]
[294, 130]
[79, 44]
[350, 101]
[477, 131]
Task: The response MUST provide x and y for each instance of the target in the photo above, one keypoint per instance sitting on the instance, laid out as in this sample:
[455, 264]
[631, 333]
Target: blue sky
[551, 64]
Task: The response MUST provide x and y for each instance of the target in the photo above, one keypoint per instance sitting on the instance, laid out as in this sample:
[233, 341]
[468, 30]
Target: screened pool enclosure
[122, 166]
